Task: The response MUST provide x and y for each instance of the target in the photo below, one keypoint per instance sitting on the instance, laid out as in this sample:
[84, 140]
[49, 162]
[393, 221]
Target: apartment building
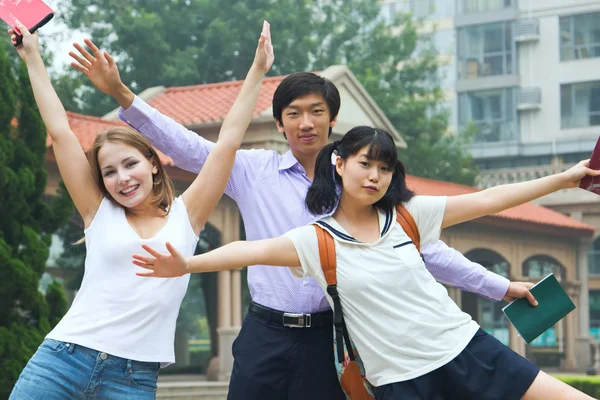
[526, 74]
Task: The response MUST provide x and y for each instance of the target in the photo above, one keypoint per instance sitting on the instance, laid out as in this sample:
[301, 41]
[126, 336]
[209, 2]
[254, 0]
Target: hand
[161, 265]
[572, 177]
[518, 290]
[263, 60]
[100, 68]
[29, 47]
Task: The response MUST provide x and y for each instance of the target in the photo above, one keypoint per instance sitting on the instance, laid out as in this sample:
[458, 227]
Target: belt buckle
[304, 320]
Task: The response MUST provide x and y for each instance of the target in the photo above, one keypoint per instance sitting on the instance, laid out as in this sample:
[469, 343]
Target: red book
[592, 183]
[32, 13]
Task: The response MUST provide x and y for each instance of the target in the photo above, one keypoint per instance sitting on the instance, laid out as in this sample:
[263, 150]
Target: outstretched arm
[206, 190]
[72, 163]
[450, 266]
[278, 251]
[490, 201]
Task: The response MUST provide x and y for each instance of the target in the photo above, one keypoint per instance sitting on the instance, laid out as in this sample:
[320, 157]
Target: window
[391, 8]
[595, 314]
[435, 9]
[441, 9]
[486, 50]
[580, 105]
[538, 267]
[487, 313]
[493, 113]
[421, 8]
[594, 258]
[474, 6]
[579, 36]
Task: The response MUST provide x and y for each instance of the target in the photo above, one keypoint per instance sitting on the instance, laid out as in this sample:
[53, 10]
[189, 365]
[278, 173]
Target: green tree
[403, 80]
[72, 257]
[28, 219]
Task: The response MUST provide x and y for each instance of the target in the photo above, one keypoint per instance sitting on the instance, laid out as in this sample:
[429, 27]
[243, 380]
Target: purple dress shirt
[270, 190]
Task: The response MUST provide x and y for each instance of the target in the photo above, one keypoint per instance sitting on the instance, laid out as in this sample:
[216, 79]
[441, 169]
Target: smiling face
[306, 122]
[365, 180]
[127, 174]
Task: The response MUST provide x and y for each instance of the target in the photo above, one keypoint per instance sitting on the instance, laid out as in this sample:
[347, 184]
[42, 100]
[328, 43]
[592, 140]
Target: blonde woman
[120, 328]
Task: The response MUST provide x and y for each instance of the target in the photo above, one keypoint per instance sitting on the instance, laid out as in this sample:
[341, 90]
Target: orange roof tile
[528, 213]
[190, 105]
[87, 128]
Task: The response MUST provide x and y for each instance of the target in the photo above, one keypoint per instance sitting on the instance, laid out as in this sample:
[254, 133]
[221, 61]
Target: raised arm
[490, 201]
[72, 163]
[206, 190]
[188, 150]
[279, 251]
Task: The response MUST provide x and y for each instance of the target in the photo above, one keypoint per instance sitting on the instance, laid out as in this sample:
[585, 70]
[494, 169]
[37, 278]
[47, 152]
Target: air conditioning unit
[527, 30]
[530, 98]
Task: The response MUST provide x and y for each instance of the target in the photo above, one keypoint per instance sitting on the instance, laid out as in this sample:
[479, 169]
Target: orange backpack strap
[327, 255]
[407, 222]
[329, 265]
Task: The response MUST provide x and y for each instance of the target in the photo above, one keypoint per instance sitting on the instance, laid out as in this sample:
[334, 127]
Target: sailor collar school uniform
[402, 321]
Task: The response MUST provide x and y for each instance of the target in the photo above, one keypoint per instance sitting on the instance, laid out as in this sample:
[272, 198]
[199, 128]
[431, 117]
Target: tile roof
[527, 213]
[87, 128]
[190, 105]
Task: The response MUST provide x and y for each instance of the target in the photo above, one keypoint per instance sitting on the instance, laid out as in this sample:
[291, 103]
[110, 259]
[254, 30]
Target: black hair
[323, 194]
[301, 84]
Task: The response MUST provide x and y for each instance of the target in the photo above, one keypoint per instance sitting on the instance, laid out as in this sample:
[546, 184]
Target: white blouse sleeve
[428, 213]
[307, 247]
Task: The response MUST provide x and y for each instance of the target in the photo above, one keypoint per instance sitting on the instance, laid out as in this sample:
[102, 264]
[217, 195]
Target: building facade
[526, 75]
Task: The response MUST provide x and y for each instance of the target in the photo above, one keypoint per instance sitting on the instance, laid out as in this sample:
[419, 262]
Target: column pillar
[236, 298]
[517, 343]
[569, 363]
[224, 283]
[229, 326]
[583, 306]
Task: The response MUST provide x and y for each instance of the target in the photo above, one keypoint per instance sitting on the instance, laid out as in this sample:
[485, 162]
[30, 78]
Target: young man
[285, 347]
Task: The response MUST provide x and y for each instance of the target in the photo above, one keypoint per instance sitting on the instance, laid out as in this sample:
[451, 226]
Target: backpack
[350, 369]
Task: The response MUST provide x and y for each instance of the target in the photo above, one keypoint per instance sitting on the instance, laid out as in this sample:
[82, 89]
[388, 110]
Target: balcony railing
[494, 132]
[475, 6]
[502, 176]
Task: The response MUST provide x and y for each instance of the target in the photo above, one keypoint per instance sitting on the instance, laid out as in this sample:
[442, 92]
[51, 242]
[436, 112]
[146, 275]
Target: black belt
[292, 320]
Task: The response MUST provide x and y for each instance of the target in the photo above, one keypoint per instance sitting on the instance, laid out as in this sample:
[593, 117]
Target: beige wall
[515, 246]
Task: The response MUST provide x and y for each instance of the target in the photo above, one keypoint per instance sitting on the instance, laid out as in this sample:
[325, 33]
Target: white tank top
[116, 311]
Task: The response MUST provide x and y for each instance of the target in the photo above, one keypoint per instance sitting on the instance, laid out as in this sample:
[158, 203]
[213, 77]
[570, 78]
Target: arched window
[540, 266]
[487, 313]
[197, 320]
[594, 258]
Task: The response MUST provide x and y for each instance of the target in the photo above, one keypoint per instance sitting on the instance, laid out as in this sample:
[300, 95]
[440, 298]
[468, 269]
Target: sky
[60, 40]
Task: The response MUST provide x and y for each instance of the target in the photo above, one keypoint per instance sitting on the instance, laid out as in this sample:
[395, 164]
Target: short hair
[301, 84]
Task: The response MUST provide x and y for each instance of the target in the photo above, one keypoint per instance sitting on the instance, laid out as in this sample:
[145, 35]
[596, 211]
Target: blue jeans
[61, 370]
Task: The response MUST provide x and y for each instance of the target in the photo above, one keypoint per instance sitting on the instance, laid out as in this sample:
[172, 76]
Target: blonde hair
[163, 190]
